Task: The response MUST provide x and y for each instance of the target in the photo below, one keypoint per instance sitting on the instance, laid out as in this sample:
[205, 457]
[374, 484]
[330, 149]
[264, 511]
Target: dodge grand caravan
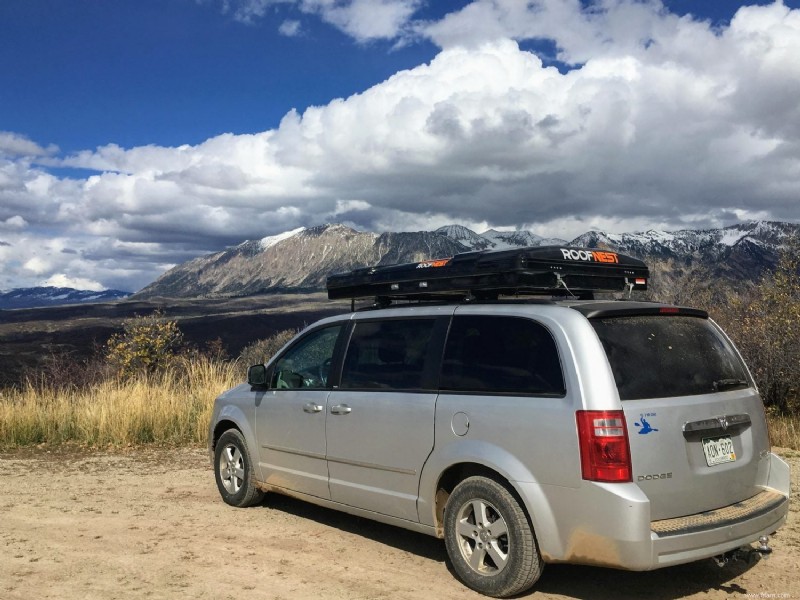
[523, 430]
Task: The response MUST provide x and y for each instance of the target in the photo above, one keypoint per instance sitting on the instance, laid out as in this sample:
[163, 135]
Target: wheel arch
[471, 457]
[458, 472]
[232, 416]
[454, 463]
[220, 428]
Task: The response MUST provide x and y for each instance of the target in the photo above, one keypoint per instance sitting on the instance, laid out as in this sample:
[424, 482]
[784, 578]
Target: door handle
[312, 408]
[340, 409]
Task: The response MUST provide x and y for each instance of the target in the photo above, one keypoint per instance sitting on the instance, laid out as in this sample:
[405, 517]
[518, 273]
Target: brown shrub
[763, 320]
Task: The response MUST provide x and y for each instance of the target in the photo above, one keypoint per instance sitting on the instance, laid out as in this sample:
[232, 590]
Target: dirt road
[150, 524]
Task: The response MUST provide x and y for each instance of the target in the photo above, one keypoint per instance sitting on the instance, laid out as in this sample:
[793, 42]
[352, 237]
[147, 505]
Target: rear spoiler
[544, 270]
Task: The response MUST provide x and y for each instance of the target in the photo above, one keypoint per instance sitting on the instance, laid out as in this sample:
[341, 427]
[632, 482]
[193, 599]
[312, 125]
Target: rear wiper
[726, 384]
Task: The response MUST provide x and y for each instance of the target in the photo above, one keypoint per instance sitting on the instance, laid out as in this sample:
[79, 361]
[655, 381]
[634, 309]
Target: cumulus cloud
[16, 145]
[31, 257]
[581, 31]
[662, 122]
[15, 222]
[78, 283]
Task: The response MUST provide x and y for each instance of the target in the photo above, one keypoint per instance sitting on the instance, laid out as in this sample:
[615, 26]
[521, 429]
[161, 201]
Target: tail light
[603, 438]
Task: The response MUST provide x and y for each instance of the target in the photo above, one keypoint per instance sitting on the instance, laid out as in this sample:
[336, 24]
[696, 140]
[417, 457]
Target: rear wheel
[489, 539]
[233, 470]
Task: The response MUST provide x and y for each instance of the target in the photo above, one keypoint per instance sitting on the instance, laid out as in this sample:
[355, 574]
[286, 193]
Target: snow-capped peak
[465, 236]
[274, 239]
[515, 239]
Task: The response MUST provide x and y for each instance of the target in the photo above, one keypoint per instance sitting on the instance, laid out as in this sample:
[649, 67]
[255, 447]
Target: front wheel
[233, 470]
[489, 540]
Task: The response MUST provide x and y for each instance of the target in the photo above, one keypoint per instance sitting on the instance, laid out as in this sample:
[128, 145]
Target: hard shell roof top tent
[488, 274]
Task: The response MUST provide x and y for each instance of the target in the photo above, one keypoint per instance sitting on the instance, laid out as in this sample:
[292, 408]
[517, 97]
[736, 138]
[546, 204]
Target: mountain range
[301, 259]
[55, 296]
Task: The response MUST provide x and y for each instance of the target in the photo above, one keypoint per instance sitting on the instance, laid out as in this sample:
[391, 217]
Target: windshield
[665, 356]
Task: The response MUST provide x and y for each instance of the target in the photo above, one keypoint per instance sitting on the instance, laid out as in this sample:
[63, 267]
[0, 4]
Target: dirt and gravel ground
[150, 524]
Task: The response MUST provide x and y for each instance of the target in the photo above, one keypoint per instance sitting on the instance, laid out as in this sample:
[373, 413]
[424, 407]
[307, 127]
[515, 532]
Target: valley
[30, 337]
[259, 287]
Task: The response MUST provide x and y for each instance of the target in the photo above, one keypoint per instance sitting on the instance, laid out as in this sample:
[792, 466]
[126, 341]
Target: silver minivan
[616, 433]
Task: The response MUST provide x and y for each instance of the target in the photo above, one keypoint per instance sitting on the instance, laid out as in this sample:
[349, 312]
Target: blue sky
[169, 72]
[135, 135]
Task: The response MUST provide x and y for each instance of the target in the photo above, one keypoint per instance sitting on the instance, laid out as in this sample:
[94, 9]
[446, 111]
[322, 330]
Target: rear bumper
[765, 503]
[685, 539]
[609, 525]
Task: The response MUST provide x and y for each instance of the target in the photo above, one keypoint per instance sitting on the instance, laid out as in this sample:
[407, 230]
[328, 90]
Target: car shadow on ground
[396, 537]
[571, 581]
[576, 581]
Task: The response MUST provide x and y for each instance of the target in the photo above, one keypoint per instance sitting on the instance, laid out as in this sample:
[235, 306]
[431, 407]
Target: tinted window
[661, 356]
[501, 355]
[307, 363]
[387, 354]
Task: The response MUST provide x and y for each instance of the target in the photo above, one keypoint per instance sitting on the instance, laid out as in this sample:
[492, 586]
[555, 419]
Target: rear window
[664, 356]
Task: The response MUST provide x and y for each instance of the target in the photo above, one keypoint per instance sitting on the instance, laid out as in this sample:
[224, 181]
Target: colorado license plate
[718, 450]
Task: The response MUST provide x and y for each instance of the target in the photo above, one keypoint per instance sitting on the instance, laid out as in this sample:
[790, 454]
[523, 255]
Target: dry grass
[173, 407]
[784, 431]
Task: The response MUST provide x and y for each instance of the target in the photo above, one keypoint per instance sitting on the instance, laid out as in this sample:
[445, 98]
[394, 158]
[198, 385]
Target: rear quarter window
[501, 355]
[664, 356]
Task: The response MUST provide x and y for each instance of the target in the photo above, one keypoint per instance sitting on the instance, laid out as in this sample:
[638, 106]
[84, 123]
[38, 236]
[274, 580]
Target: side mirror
[257, 376]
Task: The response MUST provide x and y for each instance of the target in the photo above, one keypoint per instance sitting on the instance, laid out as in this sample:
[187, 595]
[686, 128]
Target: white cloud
[581, 31]
[365, 20]
[666, 123]
[37, 265]
[16, 145]
[15, 222]
[78, 283]
[290, 28]
[248, 11]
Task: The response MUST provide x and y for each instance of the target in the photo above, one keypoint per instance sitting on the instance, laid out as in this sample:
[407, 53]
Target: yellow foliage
[172, 406]
[158, 402]
[146, 344]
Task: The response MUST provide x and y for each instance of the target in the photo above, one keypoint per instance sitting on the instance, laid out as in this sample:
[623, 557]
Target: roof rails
[488, 274]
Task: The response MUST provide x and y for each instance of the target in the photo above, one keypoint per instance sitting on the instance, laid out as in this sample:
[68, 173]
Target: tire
[489, 540]
[233, 471]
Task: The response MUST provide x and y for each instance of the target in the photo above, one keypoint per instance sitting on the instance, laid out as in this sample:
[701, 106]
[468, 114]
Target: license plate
[718, 450]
